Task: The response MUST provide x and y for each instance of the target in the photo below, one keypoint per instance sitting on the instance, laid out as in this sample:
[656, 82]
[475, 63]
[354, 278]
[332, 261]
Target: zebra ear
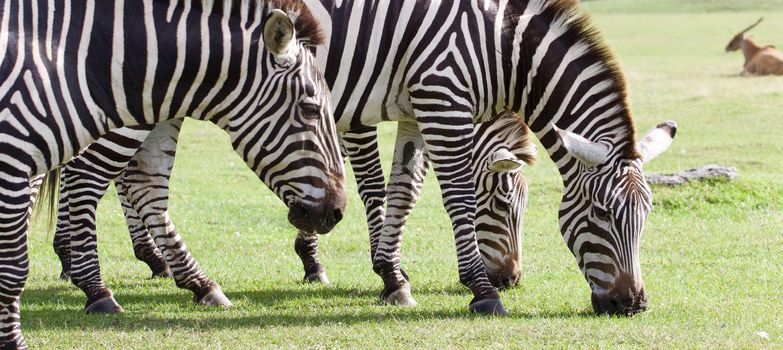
[656, 141]
[589, 152]
[279, 36]
[503, 161]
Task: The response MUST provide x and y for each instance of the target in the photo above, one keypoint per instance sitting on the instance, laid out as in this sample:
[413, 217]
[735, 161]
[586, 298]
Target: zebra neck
[559, 72]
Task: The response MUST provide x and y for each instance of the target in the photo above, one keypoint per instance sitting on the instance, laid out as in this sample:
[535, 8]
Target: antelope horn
[752, 26]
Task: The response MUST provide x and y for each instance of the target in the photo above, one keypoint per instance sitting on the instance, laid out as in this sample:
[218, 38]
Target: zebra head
[602, 214]
[289, 138]
[500, 148]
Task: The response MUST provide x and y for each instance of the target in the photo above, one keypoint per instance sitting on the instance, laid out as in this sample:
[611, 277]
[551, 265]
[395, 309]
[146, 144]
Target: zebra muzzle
[623, 303]
[319, 219]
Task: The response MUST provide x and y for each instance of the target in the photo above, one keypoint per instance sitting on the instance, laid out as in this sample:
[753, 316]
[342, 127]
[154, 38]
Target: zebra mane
[581, 29]
[307, 28]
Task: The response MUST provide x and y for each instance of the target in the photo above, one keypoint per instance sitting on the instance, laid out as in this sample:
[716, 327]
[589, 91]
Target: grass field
[712, 253]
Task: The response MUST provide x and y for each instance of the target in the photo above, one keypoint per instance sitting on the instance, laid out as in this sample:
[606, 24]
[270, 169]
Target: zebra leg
[15, 210]
[62, 231]
[408, 172]
[361, 146]
[150, 202]
[145, 186]
[306, 247]
[450, 149]
[84, 180]
[143, 246]
[85, 191]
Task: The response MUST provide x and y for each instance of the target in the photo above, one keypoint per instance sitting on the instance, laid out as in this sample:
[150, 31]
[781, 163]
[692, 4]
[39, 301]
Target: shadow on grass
[59, 307]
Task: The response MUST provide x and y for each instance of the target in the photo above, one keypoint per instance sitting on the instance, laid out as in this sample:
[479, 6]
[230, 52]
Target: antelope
[758, 60]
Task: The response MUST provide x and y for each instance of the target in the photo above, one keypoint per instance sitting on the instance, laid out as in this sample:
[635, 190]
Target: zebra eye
[601, 214]
[309, 110]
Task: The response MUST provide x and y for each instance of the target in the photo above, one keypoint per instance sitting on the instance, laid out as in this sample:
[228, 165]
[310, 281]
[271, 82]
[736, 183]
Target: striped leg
[449, 148]
[11, 328]
[407, 177]
[361, 146]
[15, 198]
[145, 188]
[85, 269]
[143, 246]
[84, 181]
[151, 205]
[10, 325]
[306, 247]
[62, 233]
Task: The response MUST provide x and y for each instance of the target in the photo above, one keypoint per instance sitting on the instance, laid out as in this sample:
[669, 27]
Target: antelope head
[736, 42]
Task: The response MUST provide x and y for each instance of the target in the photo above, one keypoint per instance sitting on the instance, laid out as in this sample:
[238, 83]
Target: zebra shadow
[61, 307]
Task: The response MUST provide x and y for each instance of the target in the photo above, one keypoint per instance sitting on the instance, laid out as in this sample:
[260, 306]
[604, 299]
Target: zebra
[501, 147]
[247, 67]
[443, 66]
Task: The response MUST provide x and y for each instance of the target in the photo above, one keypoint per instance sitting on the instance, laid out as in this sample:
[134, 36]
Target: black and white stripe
[67, 80]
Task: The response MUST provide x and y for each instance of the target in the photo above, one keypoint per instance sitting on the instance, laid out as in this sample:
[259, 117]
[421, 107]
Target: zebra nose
[328, 220]
[333, 206]
[337, 215]
[506, 278]
[321, 219]
[626, 303]
[299, 216]
[504, 272]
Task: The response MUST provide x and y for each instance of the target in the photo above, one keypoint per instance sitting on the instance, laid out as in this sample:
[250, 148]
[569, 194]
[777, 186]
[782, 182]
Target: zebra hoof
[65, 276]
[318, 277]
[162, 274]
[106, 305]
[488, 307]
[400, 297]
[215, 298]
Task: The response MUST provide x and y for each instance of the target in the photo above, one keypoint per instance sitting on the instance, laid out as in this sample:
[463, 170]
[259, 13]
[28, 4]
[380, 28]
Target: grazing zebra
[438, 67]
[65, 81]
[500, 147]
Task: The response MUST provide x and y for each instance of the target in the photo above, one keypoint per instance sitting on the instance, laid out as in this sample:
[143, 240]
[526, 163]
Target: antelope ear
[588, 152]
[656, 141]
[279, 36]
[503, 161]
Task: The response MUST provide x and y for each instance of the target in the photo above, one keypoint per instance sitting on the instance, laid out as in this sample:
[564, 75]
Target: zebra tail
[49, 193]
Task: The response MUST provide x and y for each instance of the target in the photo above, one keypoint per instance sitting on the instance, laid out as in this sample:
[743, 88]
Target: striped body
[70, 71]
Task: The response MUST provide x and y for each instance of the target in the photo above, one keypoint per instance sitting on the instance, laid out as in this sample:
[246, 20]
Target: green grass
[680, 6]
[712, 253]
